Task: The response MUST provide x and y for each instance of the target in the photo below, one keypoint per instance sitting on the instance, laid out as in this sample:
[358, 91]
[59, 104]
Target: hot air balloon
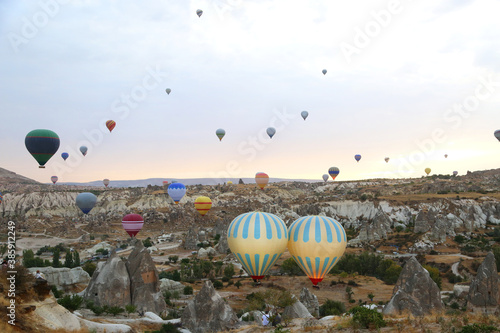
[176, 191]
[132, 223]
[261, 179]
[1, 198]
[497, 134]
[83, 149]
[271, 131]
[257, 240]
[357, 157]
[165, 182]
[65, 156]
[323, 71]
[110, 124]
[334, 172]
[199, 12]
[42, 145]
[386, 160]
[229, 183]
[316, 243]
[445, 155]
[203, 205]
[105, 182]
[54, 179]
[168, 90]
[427, 171]
[325, 177]
[455, 173]
[86, 201]
[220, 133]
[304, 114]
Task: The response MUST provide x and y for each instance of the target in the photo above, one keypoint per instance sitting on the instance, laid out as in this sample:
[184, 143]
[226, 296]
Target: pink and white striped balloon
[132, 223]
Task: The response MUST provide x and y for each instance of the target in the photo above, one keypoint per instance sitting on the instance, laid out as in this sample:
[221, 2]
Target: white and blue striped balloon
[316, 243]
[257, 240]
[176, 191]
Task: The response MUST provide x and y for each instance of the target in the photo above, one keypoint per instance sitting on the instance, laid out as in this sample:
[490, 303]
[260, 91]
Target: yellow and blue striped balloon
[257, 240]
[316, 243]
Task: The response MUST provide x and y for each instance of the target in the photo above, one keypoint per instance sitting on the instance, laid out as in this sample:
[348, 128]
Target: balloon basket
[41, 166]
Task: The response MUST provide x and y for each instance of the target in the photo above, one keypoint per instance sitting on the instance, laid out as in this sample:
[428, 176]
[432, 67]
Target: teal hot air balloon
[257, 240]
[176, 191]
[86, 201]
[220, 133]
[357, 157]
[42, 145]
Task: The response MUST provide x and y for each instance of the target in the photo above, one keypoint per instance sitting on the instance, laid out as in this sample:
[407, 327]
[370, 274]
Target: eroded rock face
[171, 286]
[376, 229]
[63, 278]
[483, 292]
[191, 241]
[415, 292]
[144, 281]
[310, 301]
[208, 312]
[296, 310]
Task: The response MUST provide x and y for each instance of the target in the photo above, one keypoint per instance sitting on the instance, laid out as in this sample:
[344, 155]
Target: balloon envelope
[427, 171]
[176, 191]
[42, 145]
[203, 205]
[445, 155]
[357, 157]
[165, 182]
[229, 183]
[1, 198]
[316, 243]
[271, 131]
[386, 160]
[86, 201]
[323, 71]
[54, 179]
[220, 133]
[455, 173]
[257, 240]
[105, 182]
[83, 149]
[64, 156]
[304, 114]
[110, 124]
[168, 90]
[325, 177]
[497, 134]
[261, 179]
[199, 12]
[333, 172]
[132, 223]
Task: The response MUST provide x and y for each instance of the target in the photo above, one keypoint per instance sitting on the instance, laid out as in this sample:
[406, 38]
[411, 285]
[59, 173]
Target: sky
[408, 80]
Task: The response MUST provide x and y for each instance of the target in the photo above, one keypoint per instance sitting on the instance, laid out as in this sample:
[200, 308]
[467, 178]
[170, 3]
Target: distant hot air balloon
[220, 133]
[165, 182]
[357, 157]
[42, 145]
[261, 179]
[497, 134]
[199, 12]
[316, 243]
[132, 223]
[176, 191]
[323, 71]
[229, 182]
[445, 155]
[304, 114]
[83, 149]
[105, 182]
[271, 131]
[257, 240]
[334, 172]
[65, 156]
[455, 173]
[168, 90]
[86, 201]
[203, 205]
[110, 124]
[386, 160]
[1, 198]
[325, 177]
[427, 171]
[54, 179]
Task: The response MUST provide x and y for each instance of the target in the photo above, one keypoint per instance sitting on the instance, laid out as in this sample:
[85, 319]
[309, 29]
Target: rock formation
[483, 291]
[191, 241]
[310, 301]
[414, 291]
[64, 278]
[376, 229]
[208, 312]
[296, 310]
[171, 286]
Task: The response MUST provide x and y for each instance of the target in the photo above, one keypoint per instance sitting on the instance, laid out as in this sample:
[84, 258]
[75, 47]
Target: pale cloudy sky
[409, 80]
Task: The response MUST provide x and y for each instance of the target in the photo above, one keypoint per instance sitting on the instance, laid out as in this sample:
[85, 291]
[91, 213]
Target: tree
[147, 242]
[55, 259]
[349, 292]
[365, 318]
[290, 267]
[331, 308]
[89, 267]
[130, 308]
[229, 271]
[434, 273]
[173, 259]
[71, 303]
[188, 290]
[238, 284]
[271, 299]
[68, 261]
[370, 296]
[76, 259]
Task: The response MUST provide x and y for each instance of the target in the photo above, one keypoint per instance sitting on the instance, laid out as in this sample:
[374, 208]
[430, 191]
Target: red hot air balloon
[110, 124]
[132, 223]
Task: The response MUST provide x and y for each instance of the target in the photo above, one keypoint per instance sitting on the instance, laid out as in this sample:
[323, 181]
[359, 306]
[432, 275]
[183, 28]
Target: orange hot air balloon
[261, 179]
[110, 124]
[203, 205]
